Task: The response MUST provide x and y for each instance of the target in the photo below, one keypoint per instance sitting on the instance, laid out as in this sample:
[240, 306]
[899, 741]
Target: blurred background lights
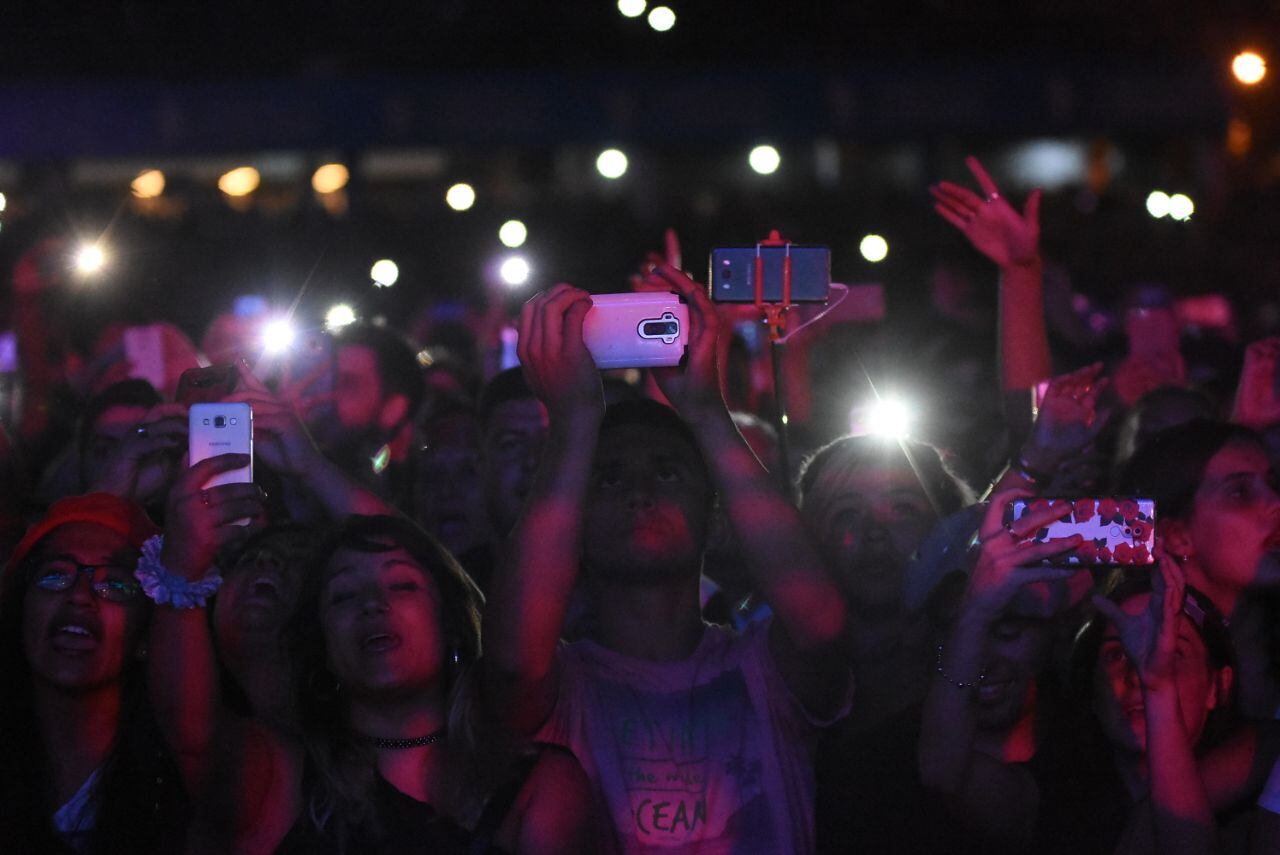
[330, 178]
[460, 197]
[1181, 207]
[277, 335]
[90, 259]
[384, 273]
[148, 184]
[1158, 204]
[1249, 67]
[662, 18]
[3, 202]
[339, 316]
[240, 181]
[513, 234]
[764, 159]
[886, 417]
[874, 248]
[611, 163]
[632, 8]
[514, 271]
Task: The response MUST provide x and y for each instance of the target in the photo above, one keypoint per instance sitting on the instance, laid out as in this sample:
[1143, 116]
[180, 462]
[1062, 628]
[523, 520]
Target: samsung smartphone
[640, 330]
[732, 278]
[222, 428]
[207, 385]
[1115, 530]
[144, 351]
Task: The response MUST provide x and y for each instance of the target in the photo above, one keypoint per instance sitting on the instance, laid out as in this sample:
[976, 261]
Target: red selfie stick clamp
[774, 314]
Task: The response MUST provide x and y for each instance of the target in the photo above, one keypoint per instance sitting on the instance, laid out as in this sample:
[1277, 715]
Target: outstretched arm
[531, 588]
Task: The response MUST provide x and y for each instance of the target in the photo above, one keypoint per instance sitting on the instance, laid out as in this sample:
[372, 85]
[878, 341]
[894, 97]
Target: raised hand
[1150, 637]
[1007, 561]
[141, 465]
[1139, 374]
[1068, 419]
[1257, 403]
[280, 437]
[200, 522]
[556, 363]
[989, 222]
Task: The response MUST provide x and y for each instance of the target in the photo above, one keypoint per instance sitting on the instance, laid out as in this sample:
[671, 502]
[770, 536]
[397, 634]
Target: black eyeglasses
[60, 574]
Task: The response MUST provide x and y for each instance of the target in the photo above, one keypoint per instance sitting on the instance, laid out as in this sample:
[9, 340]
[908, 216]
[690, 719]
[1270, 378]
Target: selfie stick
[774, 315]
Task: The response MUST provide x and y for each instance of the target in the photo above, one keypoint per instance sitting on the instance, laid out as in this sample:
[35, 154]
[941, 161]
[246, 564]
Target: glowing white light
[1181, 207]
[611, 163]
[3, 202]
[339, 316]
[90, 259]
[1158, 204]
[330, 178]
[277, 335]
[513, 233]
[384, 273]
[460, 197]
[240, 181]
[874, 248]
[887, 417]
[632, 8]
[662, 18]
[764, 159]
[148, 185]
[514, 271]
[1249, 67]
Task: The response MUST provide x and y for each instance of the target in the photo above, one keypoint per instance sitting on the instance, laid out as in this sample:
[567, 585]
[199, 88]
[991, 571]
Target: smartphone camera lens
[219, 421]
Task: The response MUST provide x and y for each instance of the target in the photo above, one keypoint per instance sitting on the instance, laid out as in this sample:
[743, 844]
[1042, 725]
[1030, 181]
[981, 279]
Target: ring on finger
[141, 430]
[993, 196]
[204, 498]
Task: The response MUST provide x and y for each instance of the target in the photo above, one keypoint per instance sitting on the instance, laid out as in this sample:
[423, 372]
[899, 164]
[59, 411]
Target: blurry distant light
[277, 335]
[240, 181]
[874, 248]
[764, 159]
[330, 178]
[1049, 164]
[339, 316]
[1158, 204]
[460, 197]
[1181, 207]
[1249, 67]
[890, 418]
[148, 185]
[661, 18]
[611, 163]
[1239, 137]
[632, 8]
[513, 233]
[384, 273]
[90, 259]
[514, 271]
[3, 202]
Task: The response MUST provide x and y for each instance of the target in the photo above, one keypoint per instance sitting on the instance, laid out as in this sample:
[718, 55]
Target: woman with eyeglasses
[82, 768]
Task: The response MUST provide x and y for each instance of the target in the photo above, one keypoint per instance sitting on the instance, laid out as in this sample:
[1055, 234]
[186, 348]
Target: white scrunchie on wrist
[168, 589]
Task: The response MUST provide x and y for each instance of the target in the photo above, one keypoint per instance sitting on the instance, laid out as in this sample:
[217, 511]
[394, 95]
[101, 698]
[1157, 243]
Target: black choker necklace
[415, 742]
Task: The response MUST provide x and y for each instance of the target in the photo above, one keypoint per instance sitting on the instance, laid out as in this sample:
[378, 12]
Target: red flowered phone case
[1115, 530]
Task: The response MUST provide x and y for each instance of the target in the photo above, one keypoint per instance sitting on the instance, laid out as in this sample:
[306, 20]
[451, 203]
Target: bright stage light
[330, 178]
[889, 417]
[874, 248]
[240, 181]
[148, 184]
[611, 163]
[513, 234]
[1249, 67]
[339, 316]
[460, 197]
[662, 18]
[3, 202]
[90, 259]
[384, 273]
[632, 8]
[1158, 204]
[277, 335]
[514, 271]
[764, 159]
[1181, 207]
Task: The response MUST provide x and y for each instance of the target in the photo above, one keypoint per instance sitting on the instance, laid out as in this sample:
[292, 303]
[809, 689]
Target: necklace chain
[412, 742]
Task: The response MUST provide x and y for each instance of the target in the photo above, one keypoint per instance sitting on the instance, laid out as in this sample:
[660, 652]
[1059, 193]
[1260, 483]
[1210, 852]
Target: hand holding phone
[639, 330]
[1115, 531]
[206, 385]
[223, 428]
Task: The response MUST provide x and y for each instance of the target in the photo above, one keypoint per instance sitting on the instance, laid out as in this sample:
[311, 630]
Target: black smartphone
[206, 385]
[732, 278]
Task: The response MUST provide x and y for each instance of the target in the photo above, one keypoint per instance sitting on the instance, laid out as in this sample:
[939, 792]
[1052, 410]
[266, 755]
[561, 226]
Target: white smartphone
[222, 429]
[640, 330]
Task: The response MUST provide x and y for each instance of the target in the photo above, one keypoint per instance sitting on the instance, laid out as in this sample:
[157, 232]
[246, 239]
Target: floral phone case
[1116, 530]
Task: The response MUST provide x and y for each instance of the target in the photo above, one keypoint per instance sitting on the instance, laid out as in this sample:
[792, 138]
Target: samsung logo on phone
[219, 443]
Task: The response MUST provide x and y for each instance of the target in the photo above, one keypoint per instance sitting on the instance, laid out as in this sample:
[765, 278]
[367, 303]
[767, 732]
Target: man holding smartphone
[691, 734]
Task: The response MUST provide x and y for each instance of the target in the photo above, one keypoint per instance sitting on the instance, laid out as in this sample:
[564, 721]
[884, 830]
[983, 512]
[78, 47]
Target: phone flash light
[890, 418]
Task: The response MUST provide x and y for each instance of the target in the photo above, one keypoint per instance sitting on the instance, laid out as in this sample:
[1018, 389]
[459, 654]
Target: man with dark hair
[513, 429]
[692, 735]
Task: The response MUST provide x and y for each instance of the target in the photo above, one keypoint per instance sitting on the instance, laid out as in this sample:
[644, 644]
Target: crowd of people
[549, 610]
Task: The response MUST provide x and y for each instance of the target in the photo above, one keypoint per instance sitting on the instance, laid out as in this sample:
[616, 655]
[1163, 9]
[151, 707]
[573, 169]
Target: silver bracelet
[168, 589]
[959, 684]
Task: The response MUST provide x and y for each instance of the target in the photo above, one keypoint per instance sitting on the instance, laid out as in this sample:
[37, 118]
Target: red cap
[112, 512]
